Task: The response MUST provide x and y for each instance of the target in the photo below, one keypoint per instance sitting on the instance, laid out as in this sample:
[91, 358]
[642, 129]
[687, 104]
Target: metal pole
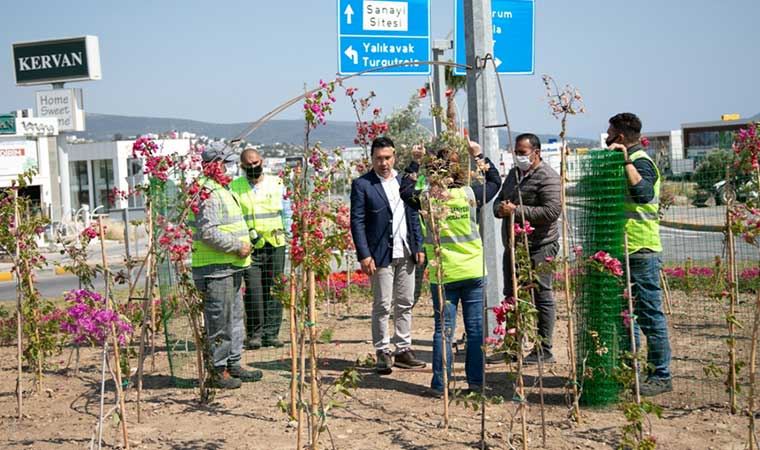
[481, 112]
[63, 170]
[439, 79]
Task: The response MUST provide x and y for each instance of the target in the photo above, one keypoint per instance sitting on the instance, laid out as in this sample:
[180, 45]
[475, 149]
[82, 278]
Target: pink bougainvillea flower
[645, 141]
[422, 92]
[493, 341]
[528, 229]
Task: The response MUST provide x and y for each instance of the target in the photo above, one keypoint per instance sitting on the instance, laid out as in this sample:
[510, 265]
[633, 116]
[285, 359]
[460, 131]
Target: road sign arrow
[349, 12]
[497, 61]
[352, 54]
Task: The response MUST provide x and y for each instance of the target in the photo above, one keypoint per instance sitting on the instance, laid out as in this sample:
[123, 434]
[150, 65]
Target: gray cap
[216, 152]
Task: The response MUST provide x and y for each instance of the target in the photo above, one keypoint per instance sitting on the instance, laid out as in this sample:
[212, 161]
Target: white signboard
[385, 16]
[17, 156]
[64, 105]
[36, 126]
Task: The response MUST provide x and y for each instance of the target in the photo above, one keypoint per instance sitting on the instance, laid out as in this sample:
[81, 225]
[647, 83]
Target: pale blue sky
[669, 61]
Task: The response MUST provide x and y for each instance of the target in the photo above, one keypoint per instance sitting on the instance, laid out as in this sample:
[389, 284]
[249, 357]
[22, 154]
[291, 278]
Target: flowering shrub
[527, 229]
[338, 282]
[603, 262]
[88, 319]
[688, 278]
[747, 148]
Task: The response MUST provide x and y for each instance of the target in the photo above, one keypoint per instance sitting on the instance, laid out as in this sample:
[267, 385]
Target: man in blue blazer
[388, 242]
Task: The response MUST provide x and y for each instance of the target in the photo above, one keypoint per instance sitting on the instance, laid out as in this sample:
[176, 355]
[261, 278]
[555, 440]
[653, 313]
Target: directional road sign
[514, 25]
[380, 33]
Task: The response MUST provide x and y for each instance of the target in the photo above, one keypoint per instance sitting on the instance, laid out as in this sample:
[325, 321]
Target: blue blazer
[372, 221]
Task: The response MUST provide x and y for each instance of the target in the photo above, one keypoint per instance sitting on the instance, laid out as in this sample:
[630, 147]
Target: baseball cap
[216, 152]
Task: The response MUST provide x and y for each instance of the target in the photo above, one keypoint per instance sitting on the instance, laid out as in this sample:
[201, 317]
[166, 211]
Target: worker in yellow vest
[267, 215]
[221, 249]
[464, 274]
[644, 248]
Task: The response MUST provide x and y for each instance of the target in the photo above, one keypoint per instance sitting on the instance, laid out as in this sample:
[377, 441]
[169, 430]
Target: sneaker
[273, 342]
[655, 386]
[253, 343]
[223, 380]
[405, 359]
[532, 358]
[246, 376]
[499, 358]
[384, 363]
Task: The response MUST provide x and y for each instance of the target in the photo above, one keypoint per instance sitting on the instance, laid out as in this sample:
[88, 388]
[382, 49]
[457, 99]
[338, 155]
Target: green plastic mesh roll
[600, 334]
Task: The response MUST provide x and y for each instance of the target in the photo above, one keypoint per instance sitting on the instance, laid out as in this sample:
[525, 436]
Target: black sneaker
[384, 363]
[655, 386]
[532, 358]
[253, 343]
[499, 358]
[223, 380]
[246, 376]
[405, 359]
[274, 342]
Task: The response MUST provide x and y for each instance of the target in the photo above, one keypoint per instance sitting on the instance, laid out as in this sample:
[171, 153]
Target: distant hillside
[103, 127]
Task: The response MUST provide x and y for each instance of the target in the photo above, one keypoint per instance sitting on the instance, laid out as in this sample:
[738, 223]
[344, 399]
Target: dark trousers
[263, 311]
[542, 293]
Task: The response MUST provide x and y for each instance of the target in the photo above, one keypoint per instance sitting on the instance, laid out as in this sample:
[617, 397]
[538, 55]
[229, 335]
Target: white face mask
[523, 162]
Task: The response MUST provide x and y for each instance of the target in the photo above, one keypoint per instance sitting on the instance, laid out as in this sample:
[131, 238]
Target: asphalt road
[52, 286]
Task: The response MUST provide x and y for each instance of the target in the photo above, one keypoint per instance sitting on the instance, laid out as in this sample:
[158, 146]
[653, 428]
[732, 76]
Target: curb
[6, 276]
[693, 226]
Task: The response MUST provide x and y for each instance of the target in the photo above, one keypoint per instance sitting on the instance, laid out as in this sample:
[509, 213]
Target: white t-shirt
[392, 191]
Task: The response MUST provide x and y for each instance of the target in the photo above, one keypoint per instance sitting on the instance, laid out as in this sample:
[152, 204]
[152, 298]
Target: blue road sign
[514, 36]
[380, 33]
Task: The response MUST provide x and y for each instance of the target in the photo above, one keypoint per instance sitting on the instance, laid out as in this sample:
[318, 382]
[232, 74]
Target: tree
[405, 130]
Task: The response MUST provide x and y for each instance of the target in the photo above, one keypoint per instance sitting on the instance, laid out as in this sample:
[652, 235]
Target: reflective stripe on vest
[643, 222]
[262, 208]
[461, 246]
[232, 223]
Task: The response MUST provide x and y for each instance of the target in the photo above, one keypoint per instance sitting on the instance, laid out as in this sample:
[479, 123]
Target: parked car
[723, 191]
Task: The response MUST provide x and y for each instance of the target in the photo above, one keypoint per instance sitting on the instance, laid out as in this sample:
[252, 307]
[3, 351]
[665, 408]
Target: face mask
[523, 162]
[254, 172]
[610, 140]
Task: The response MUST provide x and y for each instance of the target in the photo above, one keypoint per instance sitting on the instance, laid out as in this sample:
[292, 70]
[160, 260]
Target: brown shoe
[405, 359]
[223, 380]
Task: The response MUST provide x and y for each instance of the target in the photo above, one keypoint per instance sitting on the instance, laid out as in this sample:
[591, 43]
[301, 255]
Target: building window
[80, 184]
[135, 178]
[103, 183]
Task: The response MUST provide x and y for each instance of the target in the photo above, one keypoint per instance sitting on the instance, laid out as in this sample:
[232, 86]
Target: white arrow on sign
[349, 12]
[497, 61]
[352, 54]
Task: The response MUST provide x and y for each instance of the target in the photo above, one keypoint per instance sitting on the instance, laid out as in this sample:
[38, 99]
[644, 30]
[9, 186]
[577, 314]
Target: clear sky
[670, 61]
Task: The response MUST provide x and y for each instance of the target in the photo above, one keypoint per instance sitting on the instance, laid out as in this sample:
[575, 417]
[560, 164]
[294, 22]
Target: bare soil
[386, 412]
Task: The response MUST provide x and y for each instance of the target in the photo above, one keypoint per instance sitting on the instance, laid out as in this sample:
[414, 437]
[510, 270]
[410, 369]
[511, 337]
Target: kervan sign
[57, 61]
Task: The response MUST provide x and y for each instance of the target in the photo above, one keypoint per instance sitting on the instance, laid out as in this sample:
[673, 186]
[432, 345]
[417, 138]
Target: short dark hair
[381, 142]
[533, 140]
[628, 124]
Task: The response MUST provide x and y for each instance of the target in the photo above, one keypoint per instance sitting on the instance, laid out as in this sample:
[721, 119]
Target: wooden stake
[632, 323]
[114, 336]
[19, 316]
[144, 327]
[752, 371]
[518, 325]
[666, 292]
[732, 283]
[293, 345]
[573, 374]
[313, 361]
[441, 311]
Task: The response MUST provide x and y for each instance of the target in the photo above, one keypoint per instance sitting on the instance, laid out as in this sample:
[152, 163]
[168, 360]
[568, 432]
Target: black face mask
[254, 172]
[611, 140]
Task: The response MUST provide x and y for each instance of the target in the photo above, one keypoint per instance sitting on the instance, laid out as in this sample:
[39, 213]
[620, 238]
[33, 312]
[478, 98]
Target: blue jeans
[470, 292]
[645, 278]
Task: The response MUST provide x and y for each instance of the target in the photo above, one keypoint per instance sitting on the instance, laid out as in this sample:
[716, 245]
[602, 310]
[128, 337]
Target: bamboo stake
[302, 368]
[666, 291]
[313, 360]
[732, 283]
[752, 371]
[632, 324]
[441, 311]
[518, 325]
[144, 327]
[293, 345]
[19, 299]
[117, 359]
[573, 375]
[151, 276]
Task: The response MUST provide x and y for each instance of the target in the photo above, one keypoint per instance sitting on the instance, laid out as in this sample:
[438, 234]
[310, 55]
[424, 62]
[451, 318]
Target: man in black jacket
[531, 192]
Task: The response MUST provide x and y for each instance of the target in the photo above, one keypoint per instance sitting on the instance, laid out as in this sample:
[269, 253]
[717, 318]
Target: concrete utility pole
[481, 112]
[440, 46]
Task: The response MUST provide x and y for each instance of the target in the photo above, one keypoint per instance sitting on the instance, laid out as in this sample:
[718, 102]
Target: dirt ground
[387, 412]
